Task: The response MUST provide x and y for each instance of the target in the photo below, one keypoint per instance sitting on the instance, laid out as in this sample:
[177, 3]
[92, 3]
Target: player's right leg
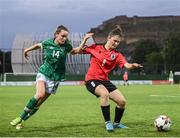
[16, 121]
[36, 108]
[103, 94]
[29, 108]
[33, 111]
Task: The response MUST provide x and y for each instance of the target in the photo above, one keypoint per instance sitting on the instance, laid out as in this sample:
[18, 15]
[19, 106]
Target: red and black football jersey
[102, 62]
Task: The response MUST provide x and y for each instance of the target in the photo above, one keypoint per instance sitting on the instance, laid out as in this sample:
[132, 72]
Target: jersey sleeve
[46, 43]
[89, 49]
[68, 46]
[121, 60]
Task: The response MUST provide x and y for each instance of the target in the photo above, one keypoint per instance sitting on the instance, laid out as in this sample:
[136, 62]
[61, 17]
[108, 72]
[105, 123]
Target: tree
[171, 52]
[1, 61]
[144, 48]
[148, 53]
[5, 62]
[155, 60]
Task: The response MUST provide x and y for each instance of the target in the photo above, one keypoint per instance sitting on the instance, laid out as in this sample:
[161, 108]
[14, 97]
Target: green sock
[30, 113]
[28, 108]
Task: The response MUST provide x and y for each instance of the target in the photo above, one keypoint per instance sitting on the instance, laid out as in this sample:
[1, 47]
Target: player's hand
[88, 35]
[26, 55]
[136, 65]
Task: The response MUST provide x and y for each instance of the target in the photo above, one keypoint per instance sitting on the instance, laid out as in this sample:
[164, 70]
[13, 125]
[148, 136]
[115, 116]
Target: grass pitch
[74, 112]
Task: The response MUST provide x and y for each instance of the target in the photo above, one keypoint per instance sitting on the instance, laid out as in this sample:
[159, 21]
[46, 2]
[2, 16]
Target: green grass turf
[73, 112]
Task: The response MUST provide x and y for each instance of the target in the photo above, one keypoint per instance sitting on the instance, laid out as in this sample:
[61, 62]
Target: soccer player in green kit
[50, 73]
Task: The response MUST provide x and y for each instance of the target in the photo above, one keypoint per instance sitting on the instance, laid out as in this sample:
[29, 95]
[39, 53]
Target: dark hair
[59, 29]
[116, 31]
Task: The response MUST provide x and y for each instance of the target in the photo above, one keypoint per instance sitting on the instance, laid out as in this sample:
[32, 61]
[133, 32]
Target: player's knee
[122, 103]
[39, 95]
[104, 95]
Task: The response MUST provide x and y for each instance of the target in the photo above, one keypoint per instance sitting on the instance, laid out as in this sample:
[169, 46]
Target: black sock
[106, 112]
[118, 114]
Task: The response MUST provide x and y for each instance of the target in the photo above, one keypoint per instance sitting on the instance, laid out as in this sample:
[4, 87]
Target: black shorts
[92, 84]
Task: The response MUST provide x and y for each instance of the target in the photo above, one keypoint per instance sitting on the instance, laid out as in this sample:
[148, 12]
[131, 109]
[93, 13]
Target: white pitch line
[164, 95]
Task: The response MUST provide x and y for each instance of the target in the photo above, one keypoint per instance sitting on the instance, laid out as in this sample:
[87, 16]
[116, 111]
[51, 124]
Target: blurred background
[151, 30]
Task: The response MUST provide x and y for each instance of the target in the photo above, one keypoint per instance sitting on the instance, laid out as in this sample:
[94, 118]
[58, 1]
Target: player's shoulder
[95, 46]
[99, 44]
[47, 41]
[119, 54]
[68, 43]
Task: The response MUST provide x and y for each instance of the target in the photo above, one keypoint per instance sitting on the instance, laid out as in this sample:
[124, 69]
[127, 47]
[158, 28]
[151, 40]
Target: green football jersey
[54, 60]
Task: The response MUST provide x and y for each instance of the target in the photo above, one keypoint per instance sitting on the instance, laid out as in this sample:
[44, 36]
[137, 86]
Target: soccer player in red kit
[103, 60]
[125, 78]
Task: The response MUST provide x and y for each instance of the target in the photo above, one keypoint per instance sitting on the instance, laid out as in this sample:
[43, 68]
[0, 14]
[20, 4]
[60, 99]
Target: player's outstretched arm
[132, 65]
[79, 49]
[33, 47]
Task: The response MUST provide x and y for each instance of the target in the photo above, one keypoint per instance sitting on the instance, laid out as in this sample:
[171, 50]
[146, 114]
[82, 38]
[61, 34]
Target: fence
[12, 61]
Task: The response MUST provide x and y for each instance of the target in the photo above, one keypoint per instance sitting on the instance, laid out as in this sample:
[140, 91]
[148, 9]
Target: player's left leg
[127, 83]
[43, 92]
[120, 100]
[36, 108]
[20, 125]
[30, 105]
[124, 83]
[40, 93]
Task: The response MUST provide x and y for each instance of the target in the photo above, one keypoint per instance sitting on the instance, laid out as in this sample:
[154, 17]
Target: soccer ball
[162, 123]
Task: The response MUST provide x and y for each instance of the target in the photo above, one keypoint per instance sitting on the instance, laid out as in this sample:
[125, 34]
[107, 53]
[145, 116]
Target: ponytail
[116, 31]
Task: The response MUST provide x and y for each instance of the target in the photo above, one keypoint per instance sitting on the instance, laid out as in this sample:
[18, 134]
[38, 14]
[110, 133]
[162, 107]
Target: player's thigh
[43, 99]
[118, 97]
[101, 91]
[40, 88]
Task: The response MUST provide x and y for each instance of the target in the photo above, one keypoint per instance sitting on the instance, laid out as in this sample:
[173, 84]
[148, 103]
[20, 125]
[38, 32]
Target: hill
[136, 28]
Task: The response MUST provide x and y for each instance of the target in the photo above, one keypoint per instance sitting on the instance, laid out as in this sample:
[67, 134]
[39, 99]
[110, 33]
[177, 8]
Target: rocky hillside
[136, 28]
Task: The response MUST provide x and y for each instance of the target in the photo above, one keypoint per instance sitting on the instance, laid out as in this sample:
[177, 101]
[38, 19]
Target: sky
[40, 16]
